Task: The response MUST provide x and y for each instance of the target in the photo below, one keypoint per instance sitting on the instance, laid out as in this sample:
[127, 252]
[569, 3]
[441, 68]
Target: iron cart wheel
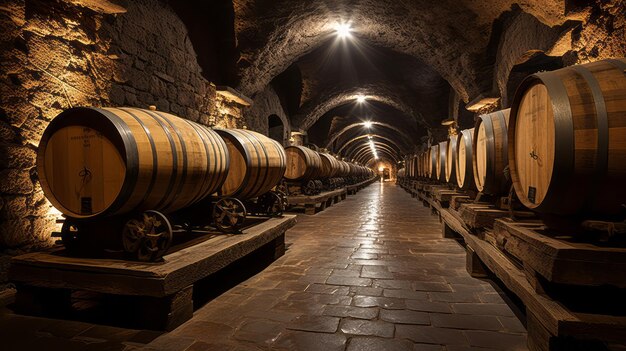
[70, 232]
[309, 188]
[271, 204]
[229, 214]
[148, 236]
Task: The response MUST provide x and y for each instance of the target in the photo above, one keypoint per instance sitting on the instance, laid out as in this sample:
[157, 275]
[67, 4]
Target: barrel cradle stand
[353, 189]
[552, 275]
[320, 201]
[146, 295]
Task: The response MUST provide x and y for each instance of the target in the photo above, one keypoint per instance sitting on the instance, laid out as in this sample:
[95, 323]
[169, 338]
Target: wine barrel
[344, 169]
[451, 154]
[567, 153]
[434, 151]
[490, 152]
[95, 162]
[257, 163]
[330, 165]
[441, 161]
[302, 163]
[464, 169]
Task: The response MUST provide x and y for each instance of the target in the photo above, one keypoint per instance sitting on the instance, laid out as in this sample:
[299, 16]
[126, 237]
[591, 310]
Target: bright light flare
[343, 30]
[381, 168]
[367, 124]
[361, 99]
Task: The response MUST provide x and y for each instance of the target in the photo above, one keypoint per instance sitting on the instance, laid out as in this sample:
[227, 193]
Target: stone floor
[370, 273]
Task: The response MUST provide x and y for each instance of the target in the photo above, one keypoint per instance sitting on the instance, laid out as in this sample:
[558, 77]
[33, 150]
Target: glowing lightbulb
[367, 124]
[360, 99]
[343, 30]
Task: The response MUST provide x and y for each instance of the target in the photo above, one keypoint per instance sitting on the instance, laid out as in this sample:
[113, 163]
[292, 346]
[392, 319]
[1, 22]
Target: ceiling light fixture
[367, 124]
[360, 99]
[343, 30]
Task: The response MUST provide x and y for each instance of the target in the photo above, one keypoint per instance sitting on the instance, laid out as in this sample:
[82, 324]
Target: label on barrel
[532, 192]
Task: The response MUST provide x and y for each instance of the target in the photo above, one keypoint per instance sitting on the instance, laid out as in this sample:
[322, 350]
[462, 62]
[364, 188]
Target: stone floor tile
[431, 286]
[501, 341]
[259, 331]
[320, 324]
[363, 343]
[366, 290]
[351, 311]
[348, 281]
[380, 272]
[454, 297]
[512, 324]
[431, 335]
[428, 347]
[328, 289]
[384, 302]
[482, 309]
[406, 294]
[405, 317]
[463, 321]
[428, 306]
[205, 331]
[365, 327]
[392, 284]
[299, 340]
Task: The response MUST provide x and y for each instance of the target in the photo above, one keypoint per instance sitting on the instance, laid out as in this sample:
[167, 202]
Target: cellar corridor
[370, 273]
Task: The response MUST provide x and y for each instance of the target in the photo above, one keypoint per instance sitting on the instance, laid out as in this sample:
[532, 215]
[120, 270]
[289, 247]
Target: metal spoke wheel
[229, 214]
[148, 236]
[271, 204]
[309, 188]
[70, 232]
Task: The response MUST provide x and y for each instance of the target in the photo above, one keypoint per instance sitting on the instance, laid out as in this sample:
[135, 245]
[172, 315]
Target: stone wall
[55, 55]
[267, 103]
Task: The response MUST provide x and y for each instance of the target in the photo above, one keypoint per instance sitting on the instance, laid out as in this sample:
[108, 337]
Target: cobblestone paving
[370, 273]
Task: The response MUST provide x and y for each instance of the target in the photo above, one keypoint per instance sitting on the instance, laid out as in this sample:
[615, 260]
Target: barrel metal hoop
[491, 154]
[174, 174]
[155, 158]
[563, 145]
[132, 160]
[183, 146]
[621, 65]
[602, 153]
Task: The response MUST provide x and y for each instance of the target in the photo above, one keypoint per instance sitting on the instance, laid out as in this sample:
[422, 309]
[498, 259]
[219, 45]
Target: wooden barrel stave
[135, 159]
[257, 163]
[451, 154]
[573, 162]
[441, 161]
[490, 156]
[465, 171]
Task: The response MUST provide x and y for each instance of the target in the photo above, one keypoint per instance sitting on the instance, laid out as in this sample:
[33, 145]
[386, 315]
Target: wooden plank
[553, 316]
[480, 215]
[315, 199]
[178, 269]
[561, 260]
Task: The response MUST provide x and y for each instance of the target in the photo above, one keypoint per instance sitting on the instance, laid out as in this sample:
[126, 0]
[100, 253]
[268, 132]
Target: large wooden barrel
[451, 154]
[567, 147]
[441, 161]
[95, 162]
[490, 152]
[464, 168]
[257, 163]
[434, 151]
[302, 163]
[344, 169]
[330, 165]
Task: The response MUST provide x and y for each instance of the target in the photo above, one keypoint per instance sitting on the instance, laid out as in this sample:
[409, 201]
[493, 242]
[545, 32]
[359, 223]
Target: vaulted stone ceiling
[417, 61]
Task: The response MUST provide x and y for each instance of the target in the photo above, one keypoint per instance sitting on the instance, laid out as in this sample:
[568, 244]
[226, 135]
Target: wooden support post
[475, 267]
[166, 313]
[447, 232]
[309, 209]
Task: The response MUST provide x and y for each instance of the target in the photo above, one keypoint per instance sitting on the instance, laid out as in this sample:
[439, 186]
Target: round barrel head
[534, 144]
[83, 169]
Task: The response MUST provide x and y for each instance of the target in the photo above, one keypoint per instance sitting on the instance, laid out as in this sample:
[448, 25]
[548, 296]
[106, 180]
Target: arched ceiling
[409, 58]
